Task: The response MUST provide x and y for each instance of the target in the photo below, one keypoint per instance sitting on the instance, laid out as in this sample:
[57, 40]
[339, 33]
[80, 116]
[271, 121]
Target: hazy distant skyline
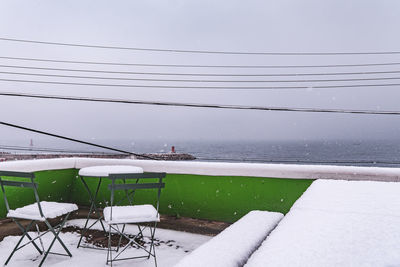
[269, 26]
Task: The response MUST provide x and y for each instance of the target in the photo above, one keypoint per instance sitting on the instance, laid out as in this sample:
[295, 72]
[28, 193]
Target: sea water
[344, 152]
[337, 152]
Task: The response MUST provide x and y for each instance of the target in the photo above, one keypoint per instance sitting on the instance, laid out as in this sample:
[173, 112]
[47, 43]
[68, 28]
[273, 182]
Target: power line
[192, 105]
[71, 139]
[205, 87]
[300, 161]
[204, 74]
[198, 81]
[202, 66]
[38, 149]
[222, 52]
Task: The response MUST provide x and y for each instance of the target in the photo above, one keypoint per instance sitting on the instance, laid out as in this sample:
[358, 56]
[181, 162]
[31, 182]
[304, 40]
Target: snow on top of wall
[256, 169]
[216, 168]
[337, 223]
[37, 165]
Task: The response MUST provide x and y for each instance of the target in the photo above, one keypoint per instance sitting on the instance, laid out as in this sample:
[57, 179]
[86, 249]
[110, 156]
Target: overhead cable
[197, 81]
[205, 74]
[71, 139]
[205, 87]
[39, 149]
[191, 51]
[193, 105]
[201, 66]
[370, 162]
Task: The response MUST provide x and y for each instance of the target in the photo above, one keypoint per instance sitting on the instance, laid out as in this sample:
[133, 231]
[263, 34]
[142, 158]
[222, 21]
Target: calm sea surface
[366, 153]
[360, 153]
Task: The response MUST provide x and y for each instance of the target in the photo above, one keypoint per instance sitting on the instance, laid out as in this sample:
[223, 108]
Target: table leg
[93, 208]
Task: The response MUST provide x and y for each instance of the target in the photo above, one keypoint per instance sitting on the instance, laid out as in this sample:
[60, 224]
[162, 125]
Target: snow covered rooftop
[334, 223]
[337, 223]
[172, 246]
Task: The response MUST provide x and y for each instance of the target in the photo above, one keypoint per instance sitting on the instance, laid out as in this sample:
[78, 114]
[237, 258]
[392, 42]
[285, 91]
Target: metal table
[101, 172]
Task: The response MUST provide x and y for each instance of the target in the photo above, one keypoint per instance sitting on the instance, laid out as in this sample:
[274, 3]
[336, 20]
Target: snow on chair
[40, 211]
[145, 214]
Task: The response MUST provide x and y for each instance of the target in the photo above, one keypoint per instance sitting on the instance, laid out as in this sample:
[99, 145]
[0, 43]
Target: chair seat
[50, 210]
[131, 214]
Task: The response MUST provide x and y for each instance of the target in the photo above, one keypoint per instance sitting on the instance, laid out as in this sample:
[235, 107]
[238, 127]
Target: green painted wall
[222, 198]
[54, 185]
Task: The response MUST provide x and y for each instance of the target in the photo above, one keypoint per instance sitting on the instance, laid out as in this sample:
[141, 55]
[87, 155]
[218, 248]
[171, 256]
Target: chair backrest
[132, 187]
[5, 181]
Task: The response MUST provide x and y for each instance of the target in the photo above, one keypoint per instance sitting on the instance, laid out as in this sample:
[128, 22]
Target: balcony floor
[171, 247]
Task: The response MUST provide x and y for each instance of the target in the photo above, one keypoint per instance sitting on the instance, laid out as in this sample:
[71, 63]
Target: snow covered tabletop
[104, 171]
[233, 246]
[337, 223]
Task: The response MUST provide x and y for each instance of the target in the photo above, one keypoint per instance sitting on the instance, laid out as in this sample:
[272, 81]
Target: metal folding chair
[36, 212]
[145, 216]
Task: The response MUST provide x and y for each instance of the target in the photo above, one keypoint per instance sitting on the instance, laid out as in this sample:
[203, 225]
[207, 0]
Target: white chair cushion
[104, 171]
[50, 210]
[131, 214]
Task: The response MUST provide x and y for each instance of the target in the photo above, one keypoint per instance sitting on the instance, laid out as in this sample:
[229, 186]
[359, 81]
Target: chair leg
[56, 234]
[56, 237]
[140, 235]
[40, 239]
[150, 251]
[155, 258]
[152, 247]
[131, 241]
[24, 233]
[109, 251]
[47, 252]
[27, 234]
[151, 242]
[120, 238]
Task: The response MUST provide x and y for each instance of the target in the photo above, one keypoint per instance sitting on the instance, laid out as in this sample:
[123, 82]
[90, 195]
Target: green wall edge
[221, 198]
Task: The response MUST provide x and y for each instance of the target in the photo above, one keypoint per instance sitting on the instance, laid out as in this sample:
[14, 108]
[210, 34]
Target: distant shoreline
[4, 156]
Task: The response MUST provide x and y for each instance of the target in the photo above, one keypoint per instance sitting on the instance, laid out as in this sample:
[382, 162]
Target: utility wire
[72, 139]
[38, 149]
[198, 81]
[201, 66]
[191, 105]
[300, 161]
[204, 87]
[204, 74]
[222, 52]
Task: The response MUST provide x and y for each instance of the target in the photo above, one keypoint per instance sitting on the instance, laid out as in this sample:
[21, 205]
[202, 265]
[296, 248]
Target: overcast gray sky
[235, 25]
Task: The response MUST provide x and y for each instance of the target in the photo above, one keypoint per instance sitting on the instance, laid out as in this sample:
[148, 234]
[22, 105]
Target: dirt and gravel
[185, 224]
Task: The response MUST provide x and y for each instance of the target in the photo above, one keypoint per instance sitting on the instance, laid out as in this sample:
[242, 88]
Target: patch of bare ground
[185, 224]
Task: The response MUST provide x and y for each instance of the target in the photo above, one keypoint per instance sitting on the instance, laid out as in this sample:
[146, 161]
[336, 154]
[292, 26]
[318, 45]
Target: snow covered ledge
[216, 168]
[337, 223]
[233, 246]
